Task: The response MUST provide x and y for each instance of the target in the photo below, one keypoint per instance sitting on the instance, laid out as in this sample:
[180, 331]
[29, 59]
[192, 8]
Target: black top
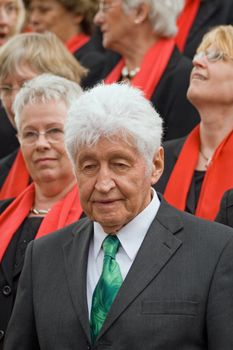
[211, 14]
[8, 139]
[11, 267]
[194, 191]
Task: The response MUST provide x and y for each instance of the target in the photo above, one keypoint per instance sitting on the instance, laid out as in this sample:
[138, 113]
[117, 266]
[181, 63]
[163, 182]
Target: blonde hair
[21, 15]
[43, 53]
[221, 37]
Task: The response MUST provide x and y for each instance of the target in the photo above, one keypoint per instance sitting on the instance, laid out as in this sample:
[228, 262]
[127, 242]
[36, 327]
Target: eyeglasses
[212, 55]
[105, 7]
[53, 135]
[7, 90]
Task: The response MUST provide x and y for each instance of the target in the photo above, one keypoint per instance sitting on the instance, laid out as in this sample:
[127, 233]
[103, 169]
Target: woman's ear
[141, 13]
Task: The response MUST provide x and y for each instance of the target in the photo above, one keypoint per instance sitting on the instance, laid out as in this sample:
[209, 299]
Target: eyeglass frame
[44, 133]
[204, 53]
[105, 7]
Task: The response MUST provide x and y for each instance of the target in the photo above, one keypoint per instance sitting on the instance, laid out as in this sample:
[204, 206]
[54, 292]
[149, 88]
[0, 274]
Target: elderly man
[137, 273]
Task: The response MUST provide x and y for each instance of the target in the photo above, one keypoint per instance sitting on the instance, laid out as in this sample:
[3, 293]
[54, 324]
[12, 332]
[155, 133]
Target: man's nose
[104, 181]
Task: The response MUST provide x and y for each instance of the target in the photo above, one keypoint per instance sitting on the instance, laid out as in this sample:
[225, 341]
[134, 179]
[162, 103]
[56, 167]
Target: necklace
[39, 211]
[207, 159]
[129, 74]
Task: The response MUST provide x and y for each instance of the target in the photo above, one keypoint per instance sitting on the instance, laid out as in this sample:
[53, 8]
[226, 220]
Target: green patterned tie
[107, 286]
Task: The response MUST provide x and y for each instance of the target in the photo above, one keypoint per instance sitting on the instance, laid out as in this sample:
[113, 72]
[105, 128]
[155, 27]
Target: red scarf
[152, 67]
[217, 180]
[185, 22]
[17, 179]
[76, 42]
[63, 213]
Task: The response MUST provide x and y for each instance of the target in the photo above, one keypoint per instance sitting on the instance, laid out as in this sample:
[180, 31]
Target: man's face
[114, 182]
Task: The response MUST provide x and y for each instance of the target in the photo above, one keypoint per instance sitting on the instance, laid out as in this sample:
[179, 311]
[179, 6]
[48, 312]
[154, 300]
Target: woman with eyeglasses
[51, 201]
[143, 33]
[22, 58]
[199, 168]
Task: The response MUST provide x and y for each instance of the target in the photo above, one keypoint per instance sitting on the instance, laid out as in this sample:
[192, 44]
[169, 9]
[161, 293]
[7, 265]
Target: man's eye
[120, 165]
[89, 167]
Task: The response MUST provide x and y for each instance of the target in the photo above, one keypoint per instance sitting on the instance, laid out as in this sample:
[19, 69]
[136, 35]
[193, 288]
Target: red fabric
[217, 180]
[17, 179]
[63, 213]
[76, 42]
[185, 22]
[152, 67]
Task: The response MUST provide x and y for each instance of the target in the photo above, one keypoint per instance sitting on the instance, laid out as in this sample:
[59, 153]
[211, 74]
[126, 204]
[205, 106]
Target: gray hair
[163, 14]
[44, 88]
[113, 110]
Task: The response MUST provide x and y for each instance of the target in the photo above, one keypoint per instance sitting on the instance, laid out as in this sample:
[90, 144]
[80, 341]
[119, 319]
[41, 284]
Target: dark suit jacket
[172, 150]
[177, 294]
[5, 166]
[8, 140]
[211, 13]
[225, 214]
[7, 287]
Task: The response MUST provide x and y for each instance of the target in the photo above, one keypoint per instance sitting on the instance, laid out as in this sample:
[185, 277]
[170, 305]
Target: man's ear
[158, 166]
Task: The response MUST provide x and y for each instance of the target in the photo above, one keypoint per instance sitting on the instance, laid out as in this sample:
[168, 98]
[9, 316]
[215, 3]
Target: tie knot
[111, 245]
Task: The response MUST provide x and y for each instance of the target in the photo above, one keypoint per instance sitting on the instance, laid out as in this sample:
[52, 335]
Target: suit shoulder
[208, 231]
[63, 234]
[173, 145]
[228, 198]
[194, 228]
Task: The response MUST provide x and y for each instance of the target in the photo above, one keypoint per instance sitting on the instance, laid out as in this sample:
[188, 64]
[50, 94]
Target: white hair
[44, 88]
[113, 110]
[163, 14]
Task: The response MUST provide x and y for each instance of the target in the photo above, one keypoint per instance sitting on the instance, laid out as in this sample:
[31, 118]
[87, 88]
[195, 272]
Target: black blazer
[8, 139]
[171, 153]
[211, 13]
[225, 214]
[7, 287]
[5, 166]
[177, 294]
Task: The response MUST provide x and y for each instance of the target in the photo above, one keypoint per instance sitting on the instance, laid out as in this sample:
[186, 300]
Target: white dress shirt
[130, 237]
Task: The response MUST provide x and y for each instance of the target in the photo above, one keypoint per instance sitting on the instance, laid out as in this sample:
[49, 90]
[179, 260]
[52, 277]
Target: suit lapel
[75, 256]
[206, 11]
[157, 249]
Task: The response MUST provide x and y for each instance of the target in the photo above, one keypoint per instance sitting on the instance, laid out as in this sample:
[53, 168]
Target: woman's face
[115, 25]
[11, 85]
[211, 80]
[46, 160]
[50, 15]
[8, 19]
